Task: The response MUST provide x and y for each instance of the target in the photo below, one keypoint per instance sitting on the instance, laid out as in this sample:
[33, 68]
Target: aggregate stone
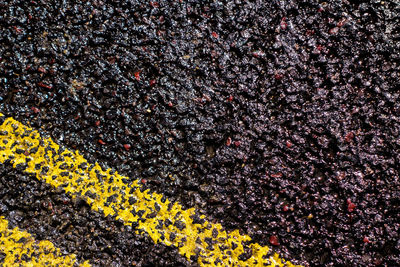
[280, 118]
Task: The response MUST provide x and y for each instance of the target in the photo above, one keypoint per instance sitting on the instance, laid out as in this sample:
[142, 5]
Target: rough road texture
[280, 118]
[74, 228]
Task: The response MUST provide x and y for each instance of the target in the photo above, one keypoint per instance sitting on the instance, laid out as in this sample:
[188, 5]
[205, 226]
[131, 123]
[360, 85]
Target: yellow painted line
[113, 194]
[21, 249]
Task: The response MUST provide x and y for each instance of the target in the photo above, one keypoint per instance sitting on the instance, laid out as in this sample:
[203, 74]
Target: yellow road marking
[113, 194]
[21, 249]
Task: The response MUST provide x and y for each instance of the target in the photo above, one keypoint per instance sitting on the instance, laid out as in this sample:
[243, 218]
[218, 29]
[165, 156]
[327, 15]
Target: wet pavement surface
[279, 118]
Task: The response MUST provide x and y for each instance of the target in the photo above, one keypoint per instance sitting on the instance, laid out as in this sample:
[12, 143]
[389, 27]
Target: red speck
[40, 84]
[289, 144]
[144, 181]
[310, 32]
[342, 22]
[101, 142]
[320, 9]
[341, 175]
[50, 206]
[207, 97]
[170, 104]
[237, 143]
[350, 205]
[320, 47]
[276, 175]
[214, 34]
[366, 240]
[278, 76]
[77, 117]
[228, 141]
[230, 98]
[17, 30]
[30, 16]
[42, 70]
[28, 67]
[112, 60]
[349, 137]
[127, 147]
[97, 123]
[152, 82]
[137, 75]
[285, 208]
[283, 23]
[35, 110]
[154, 4]
[258, 54]
[273, 240]
[334, 30]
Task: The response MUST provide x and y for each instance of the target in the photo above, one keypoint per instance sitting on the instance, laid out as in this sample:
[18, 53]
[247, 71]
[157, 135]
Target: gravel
[280, 118]
[72, 226]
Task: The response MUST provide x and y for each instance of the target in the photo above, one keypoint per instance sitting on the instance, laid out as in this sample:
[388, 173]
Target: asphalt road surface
[187, 133]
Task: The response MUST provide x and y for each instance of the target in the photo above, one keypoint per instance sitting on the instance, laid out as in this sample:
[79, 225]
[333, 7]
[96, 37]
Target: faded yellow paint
[113, 194]
[21, 249]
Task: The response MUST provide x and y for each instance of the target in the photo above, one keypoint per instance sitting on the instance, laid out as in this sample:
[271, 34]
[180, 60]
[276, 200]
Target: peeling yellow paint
[113, 194]
[21, 249]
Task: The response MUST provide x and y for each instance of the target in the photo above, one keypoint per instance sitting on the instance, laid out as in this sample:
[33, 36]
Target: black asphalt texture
[279, 118]
[70, 224]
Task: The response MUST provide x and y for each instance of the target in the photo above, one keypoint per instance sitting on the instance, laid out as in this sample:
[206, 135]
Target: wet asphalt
[279, 118]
